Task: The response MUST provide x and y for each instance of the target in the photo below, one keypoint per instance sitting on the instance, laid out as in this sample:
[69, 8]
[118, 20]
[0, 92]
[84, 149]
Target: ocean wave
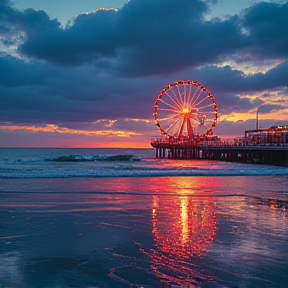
[37, 164]
[113, 172]
[82, 158]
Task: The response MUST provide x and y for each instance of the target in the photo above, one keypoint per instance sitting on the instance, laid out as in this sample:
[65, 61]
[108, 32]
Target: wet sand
[118, 237]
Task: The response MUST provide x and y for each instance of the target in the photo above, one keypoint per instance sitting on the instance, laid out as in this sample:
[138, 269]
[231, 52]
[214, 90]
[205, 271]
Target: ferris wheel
[185, 109]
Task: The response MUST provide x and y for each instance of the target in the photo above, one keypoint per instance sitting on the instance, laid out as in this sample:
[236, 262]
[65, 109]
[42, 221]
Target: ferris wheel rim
[177, 103]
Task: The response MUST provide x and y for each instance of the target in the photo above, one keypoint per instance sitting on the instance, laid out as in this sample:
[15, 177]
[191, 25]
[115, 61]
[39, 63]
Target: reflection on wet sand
[96, 236]
[183, 228]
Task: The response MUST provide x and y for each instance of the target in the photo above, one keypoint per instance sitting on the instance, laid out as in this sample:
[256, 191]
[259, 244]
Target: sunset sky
[75, 75]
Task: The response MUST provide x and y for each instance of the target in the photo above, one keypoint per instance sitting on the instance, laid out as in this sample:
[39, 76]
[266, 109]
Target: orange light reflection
[183, 226]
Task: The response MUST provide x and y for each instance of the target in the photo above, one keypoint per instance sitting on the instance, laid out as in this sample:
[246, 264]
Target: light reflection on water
[185, 229]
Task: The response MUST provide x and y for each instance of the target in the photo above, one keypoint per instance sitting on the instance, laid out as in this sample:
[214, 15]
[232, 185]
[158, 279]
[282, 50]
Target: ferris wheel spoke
[209, 105]
[189, 95]
[178, 99]
[180, 96]
[192, 99]
[167, 109]
[168, 104]
[177, 128]
[173, 100]
[172, 125]
[196, 104]
[178, 125]
[195, 120]
[184, 95]
[199, 94]
[169, 118]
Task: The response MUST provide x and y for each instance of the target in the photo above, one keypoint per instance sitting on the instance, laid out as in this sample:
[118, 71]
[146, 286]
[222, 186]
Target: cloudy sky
[75, 75]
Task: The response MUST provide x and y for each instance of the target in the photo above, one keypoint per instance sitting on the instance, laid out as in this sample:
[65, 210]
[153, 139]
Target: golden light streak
[251, 67]
[238, 116]
[184, 218]
[52, 128]
[139, 120]
[110, 123]
[87, 13]
[105, 9]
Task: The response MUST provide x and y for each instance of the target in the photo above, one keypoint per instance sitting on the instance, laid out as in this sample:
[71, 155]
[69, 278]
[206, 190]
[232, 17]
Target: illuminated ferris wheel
[185, 109]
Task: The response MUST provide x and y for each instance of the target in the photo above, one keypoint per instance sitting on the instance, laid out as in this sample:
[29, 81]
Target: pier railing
[214, 142]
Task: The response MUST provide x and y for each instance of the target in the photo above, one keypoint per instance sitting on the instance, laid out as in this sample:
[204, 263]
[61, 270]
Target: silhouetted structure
[263, 146]
[185, 113]
[276, 135]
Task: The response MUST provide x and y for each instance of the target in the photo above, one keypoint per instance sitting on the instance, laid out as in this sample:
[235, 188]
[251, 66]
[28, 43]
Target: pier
[237, 150]
[185, 112]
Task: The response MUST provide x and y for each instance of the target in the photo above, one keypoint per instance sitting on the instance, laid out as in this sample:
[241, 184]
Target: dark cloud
[29, 21]
[16, 72]
[34, 92]
[267, 108]
[83, 41]
[267, 25]
[148, 37]
[226, 79]
[143, 38]
[228, 103]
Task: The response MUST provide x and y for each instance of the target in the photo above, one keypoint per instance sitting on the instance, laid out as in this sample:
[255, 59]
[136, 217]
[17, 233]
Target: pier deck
[224, 151]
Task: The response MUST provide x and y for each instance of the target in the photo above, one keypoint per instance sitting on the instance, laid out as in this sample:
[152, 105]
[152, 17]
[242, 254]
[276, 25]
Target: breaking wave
[82, 158]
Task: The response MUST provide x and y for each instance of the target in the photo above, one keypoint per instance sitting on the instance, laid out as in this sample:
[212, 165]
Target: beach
[147, 222]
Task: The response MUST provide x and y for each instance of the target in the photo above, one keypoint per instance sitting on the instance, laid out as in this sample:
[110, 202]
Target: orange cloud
[110, 123]
[52, 128]
[138, 120]
[273, 115]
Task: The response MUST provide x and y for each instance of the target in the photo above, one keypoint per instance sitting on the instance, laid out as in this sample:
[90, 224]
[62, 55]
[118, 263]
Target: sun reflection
[184, 219]
[183, 227]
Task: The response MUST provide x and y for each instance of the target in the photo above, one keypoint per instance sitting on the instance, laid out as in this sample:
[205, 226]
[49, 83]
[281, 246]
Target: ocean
[121, 218]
